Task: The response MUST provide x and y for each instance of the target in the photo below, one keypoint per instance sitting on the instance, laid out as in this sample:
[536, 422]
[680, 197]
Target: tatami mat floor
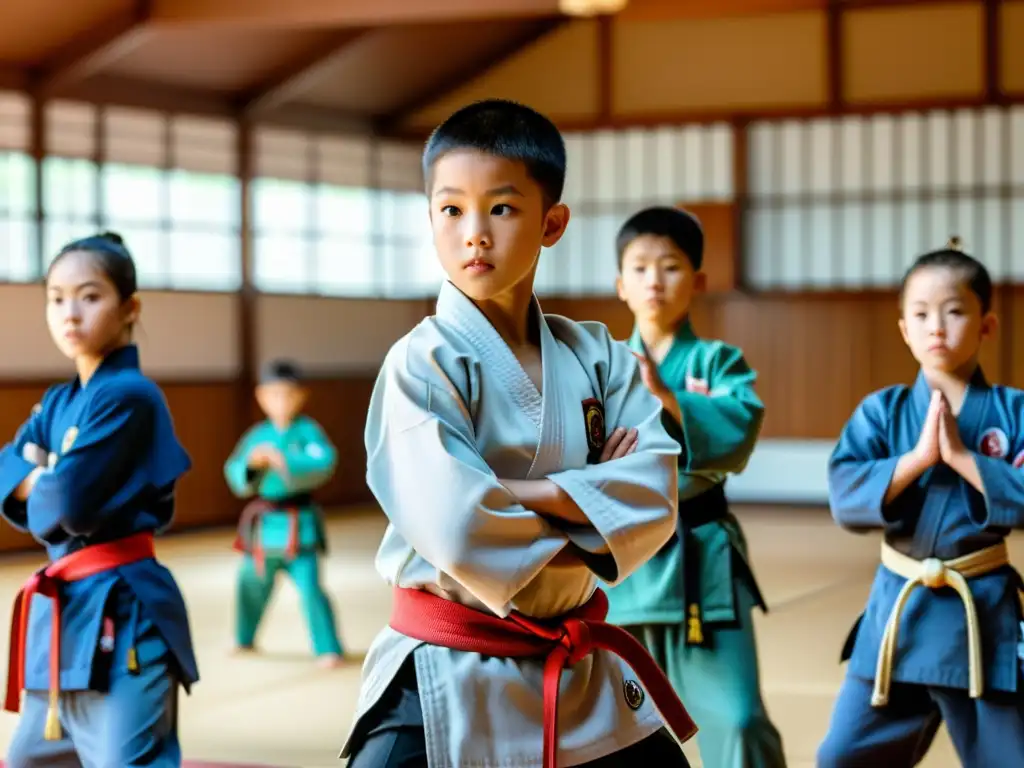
[279, 708]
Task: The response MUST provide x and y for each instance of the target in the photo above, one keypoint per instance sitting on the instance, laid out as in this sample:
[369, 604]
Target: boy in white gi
[518, 457]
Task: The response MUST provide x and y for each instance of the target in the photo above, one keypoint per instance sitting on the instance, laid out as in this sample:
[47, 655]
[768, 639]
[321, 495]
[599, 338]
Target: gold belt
[935, 574]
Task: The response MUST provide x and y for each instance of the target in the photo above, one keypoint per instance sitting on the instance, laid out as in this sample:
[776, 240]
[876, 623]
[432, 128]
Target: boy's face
[489, 221]
[281, 401]
[657, 280]
[941, 321]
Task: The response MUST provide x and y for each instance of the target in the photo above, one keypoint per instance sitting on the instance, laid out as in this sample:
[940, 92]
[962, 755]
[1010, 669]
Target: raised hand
[652, 380]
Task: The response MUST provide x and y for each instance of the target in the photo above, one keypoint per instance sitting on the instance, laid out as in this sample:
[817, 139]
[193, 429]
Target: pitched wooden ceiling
[297, 62]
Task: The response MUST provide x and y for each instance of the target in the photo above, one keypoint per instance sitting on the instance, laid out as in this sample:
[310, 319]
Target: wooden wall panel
[203, 417]
[720, 252]
[818, 355]
[199, 410]
[945, 62]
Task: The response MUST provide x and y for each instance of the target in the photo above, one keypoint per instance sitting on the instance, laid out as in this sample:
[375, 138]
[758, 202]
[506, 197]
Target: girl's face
[84, 312]
[942, 322]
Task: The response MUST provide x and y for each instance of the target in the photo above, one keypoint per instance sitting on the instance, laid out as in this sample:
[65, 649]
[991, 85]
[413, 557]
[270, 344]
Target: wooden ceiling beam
[391, 123]
[90, 52]
[163, 97]
[321, 13]
[298, 76]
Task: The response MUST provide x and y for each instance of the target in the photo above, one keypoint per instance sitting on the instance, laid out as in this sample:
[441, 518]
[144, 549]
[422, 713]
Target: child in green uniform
[281, 461]
[691, 604]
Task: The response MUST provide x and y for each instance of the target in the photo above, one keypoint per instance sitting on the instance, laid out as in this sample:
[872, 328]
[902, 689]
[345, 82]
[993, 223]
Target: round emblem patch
[593, 415]
[633, 694]
[994, 443]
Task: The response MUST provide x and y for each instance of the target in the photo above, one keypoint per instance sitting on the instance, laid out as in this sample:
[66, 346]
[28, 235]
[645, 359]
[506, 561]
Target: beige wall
[773, 62]
[194, 336]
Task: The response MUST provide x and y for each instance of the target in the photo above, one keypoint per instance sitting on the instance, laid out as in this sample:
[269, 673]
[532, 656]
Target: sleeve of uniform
[721, 428]
[14, 468]
[1002, 504]
[241, 479]
[439, 493]
[94, 477]
[861, 468]
[631, 502]
[312, 464]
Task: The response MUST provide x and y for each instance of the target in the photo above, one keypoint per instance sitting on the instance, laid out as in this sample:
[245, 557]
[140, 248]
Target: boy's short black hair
[952, 257]
[504, 129]
[679, 226]
[285, 371]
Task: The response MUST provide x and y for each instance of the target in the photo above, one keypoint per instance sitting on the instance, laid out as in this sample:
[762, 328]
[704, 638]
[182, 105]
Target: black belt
[709, 507]
[295, 500]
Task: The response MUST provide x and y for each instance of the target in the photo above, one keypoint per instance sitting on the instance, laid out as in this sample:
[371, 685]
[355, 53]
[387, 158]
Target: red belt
[46, 582]
[249, 528]
[564, 641]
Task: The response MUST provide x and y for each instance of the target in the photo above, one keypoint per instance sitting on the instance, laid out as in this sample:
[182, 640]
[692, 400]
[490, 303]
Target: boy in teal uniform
[282, 461]
[691, 604]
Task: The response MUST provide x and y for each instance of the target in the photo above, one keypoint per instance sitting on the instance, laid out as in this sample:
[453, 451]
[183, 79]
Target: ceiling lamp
[591, 7]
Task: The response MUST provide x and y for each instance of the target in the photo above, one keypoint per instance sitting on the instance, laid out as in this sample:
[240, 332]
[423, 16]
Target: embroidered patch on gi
[994, 443]
[593, 417]
[633, 694]
[69, 440]
[1018, 460]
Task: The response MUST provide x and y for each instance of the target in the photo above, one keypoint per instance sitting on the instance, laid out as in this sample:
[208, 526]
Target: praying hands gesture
[951, 447]
[940, 436]
[940, 441]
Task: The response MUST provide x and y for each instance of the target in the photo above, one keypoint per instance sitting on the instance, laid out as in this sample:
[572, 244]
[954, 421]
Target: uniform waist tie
[79, 565]
[561, 642]
[250, 537]
[935, 574]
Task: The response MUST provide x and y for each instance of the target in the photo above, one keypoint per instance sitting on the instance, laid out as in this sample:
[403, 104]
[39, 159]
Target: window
[283, 213]
[345, 264]
[18, 246]
[132, 200]
[850, 202]
[70, 202]
[612, 174]
[407, 246]
[205, 220]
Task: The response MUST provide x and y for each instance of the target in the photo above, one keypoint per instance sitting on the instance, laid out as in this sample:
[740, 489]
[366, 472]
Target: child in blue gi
[100, 637]
[939, 467]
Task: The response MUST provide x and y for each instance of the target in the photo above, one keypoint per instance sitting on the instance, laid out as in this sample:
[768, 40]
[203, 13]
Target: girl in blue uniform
[937, 467]
[100, 637]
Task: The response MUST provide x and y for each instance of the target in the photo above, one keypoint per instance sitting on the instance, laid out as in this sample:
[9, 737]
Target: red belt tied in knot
[564, 641]
[79, 565]
[249, 537]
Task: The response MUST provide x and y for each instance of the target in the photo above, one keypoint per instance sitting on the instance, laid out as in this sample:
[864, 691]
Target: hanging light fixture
[591, 7]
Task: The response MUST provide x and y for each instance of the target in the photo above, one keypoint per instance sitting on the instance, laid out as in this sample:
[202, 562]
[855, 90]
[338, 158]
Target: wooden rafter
[391, 122]
[88, 53]
[297, 76]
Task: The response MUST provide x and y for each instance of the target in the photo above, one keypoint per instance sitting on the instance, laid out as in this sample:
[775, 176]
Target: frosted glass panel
[204, 261]
[282, 263]
[759, 257]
